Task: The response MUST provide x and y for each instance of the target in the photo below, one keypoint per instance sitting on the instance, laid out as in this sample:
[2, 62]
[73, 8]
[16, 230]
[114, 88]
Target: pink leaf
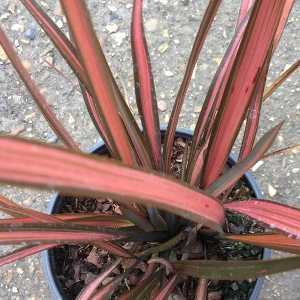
[273, 214]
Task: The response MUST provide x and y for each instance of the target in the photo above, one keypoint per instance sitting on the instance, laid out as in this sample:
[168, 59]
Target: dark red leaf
[95, 116]
[68, 51]
[278, 81]
[99, 76]
[36, 94]
[244, 10]
[24, 252]
[273, 214]
[253, 113]
[144, 85]
[197, 166]
[203, 30]
[239, 169]
[215, 93]
[278, 242]
[14, 209]
[288, 5]
[82, 219]
[201, 292]
[62, 43]
[251, 55]
[286, 150]
[5, 202]
[51, 236]
[235, 269]
[91, 288]
[167, 289]
[35, 164]
[144, 288]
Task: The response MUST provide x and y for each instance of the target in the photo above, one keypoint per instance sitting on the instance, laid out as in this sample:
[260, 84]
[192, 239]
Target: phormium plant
[160, 231]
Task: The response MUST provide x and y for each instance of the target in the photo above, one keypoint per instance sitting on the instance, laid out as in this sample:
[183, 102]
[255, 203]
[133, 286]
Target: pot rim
[52, 281]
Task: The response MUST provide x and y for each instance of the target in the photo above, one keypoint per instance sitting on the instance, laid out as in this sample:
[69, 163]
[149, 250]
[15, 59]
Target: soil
[77, 265]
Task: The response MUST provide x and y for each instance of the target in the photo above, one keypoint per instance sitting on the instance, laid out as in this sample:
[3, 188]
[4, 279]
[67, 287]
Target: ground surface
[170, 27]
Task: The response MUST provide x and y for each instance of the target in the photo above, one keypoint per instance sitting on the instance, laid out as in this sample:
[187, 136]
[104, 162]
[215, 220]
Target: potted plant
[168, 213]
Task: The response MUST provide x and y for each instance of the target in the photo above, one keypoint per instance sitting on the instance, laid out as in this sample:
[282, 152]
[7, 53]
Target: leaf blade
[249, 60]
[99, 76]
[167, 289]
[280, 80]
[202, 33]
[24, 252]
[236, 270]
[144, 85]
[278, 242]
[44, 166]
[36, 94]
[239, 169]
[273, 214]
[91, 288]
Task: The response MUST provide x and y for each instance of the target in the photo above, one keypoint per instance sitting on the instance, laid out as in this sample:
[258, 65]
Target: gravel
[170, 28]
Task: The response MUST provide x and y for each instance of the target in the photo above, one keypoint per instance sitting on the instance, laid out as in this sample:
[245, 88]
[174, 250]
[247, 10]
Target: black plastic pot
[47, 257]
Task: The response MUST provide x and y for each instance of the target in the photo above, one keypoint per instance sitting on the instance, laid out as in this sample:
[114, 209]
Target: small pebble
[3, 55]
[295, 170]
[165, 33]
[8, 277]
[162, 105]
[163, 47]
[17, 27]
[17, 44]
[112, 28]
[30, 33]
[166, 118]
[111, 8]
[151, 25]
[26, 64]
[12, 7]
[272, 191]
[71, 120]
[168, 73]
[28, 202]
[50, 60]
[119, 37]
[280, 139]
[52, 139]
[4, 16]
[60, 24]
[197, 108]
[217, 60]
[257, 165]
